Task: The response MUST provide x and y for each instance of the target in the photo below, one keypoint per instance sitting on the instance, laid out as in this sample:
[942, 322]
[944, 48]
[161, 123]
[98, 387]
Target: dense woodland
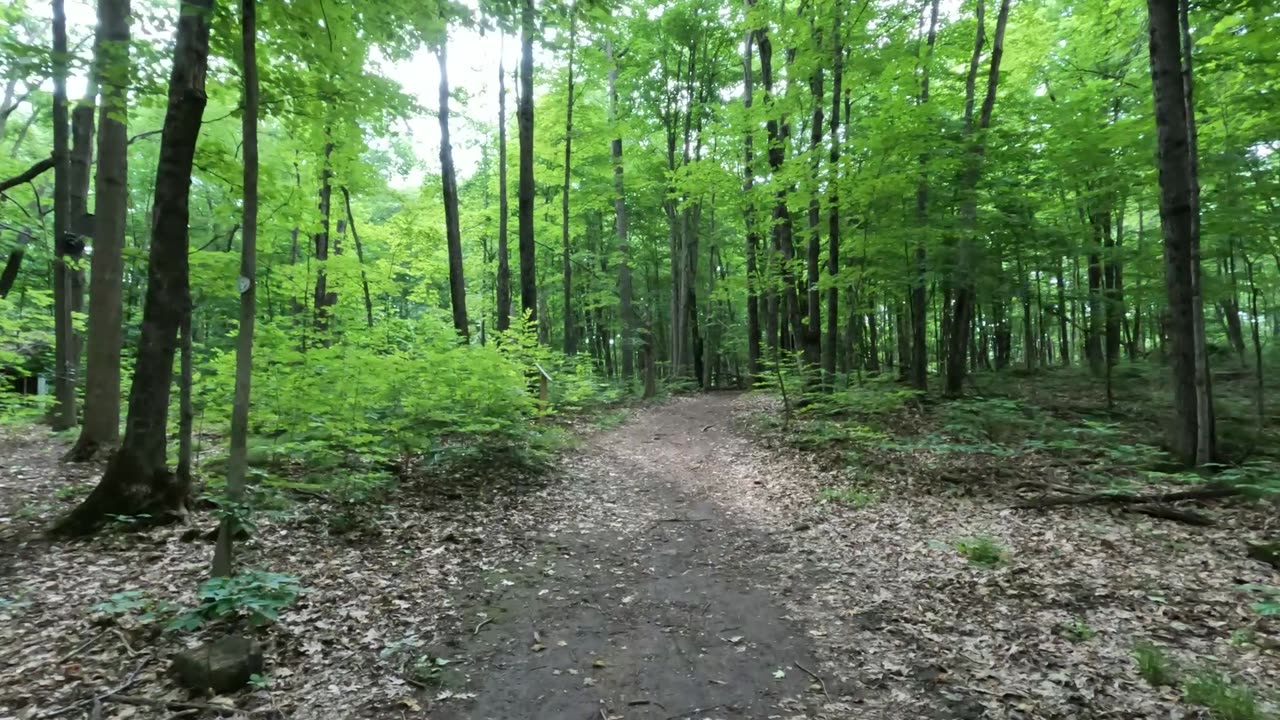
[219, 230]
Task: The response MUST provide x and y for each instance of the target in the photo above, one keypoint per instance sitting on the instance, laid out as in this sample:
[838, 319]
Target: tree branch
[30, 174]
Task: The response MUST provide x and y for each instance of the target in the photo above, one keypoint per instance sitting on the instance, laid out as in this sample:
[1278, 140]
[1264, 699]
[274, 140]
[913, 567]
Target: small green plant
[133, 603]
[849, 495]
[1154, 665]
[981, 550]
[260, 682]
[429, 670]
[1270, 602]
[1224, 698]
[1078, 630]
[72, 492]
[610, 420]
[257, 594]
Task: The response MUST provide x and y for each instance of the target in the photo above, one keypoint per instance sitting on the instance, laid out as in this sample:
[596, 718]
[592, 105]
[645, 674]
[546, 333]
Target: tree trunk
[524, 119]
[833, 212]
[14, 262]
[137, 480]
[364, 278]
[1177, 219]
[749, 217]
[504, 208]
[620, 223]
[813, 328]
[238, 462]
[449, 188]
[919, 303]
[101, 429]
[66, 247]
[324, 299]
[570, 339]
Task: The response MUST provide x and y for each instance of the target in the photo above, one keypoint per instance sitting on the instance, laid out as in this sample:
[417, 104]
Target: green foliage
[982, 550]
[1224, 698]
[1269, 604]
[429, 670]
[1155, 666]
[134, 603]
[850, 495]
[1078, 630]
[256, 595]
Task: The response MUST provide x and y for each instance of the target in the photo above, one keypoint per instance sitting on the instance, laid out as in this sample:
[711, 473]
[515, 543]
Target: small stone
[222, 666]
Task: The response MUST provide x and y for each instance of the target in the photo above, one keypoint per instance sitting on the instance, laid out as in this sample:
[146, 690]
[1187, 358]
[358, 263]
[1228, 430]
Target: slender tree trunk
[570, 338]
[833, 211]
[101, 429]
[524, 118]
[813, 328]
[620, 223]
[137, 480]
[238, 463]
[66, 247]
[364, 278]
[449, 185]
[324, 299]
[14, 262]
[919, 303]
[504, 208]
[1206, 440]
[749, 217]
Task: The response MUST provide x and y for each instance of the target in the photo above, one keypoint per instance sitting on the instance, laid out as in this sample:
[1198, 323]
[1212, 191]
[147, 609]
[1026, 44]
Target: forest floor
[677, 565]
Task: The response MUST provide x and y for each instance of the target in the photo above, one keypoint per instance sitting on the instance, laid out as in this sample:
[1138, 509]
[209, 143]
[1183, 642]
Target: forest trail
[648, 597]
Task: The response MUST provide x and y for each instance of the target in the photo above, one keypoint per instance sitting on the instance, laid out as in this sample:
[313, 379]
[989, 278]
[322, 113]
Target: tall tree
[749, 214]
[526, 190]
[620, 223]
[504, 207]
[919, 370]
[101, 428]
[66, 245]
[449, 188]
[137, 480]
[829, 347]
[1178, 221]
[570, 338]
[238, 463]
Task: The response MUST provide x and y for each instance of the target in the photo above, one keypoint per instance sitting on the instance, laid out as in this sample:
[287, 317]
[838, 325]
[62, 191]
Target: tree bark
[364, 278]
[919, 302]
[620, 221]
[323, 299]
[101, 429]
[449, 188]
[833, 212]
[66, 245]
[238, 463]
[137, 480]
[570, 339]
[524, 119]
[813, 328]
[1178, 209]
[504, 208]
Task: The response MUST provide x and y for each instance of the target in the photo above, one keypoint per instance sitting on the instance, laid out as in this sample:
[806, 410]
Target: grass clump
[982, 550]
[1154, 665]
[1078, 630]
[848, 495]
[1222, 697]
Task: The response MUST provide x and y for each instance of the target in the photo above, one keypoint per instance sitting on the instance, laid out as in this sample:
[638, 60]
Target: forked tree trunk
[101, 429]
[137, 480]
[449, 188]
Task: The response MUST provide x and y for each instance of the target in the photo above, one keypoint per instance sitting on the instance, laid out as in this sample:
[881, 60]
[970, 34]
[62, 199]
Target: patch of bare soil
[676, 567]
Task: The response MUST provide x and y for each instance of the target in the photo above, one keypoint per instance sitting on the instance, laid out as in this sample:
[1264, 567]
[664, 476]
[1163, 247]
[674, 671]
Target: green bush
[255, 594]
[981, 550]
[849, 495]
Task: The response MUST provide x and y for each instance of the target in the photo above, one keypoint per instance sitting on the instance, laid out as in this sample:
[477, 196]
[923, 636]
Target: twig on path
[1205, 492]
[815, 676]
[168, 704]
[483, 622]
[82, 647]
[693, 711]
[128, 648]
[634, 703]
[128, 682]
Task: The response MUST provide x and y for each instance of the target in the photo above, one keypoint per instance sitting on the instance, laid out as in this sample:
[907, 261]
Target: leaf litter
[890, 620]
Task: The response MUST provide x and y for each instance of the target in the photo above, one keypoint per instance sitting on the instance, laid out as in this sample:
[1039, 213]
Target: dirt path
[647, 596]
